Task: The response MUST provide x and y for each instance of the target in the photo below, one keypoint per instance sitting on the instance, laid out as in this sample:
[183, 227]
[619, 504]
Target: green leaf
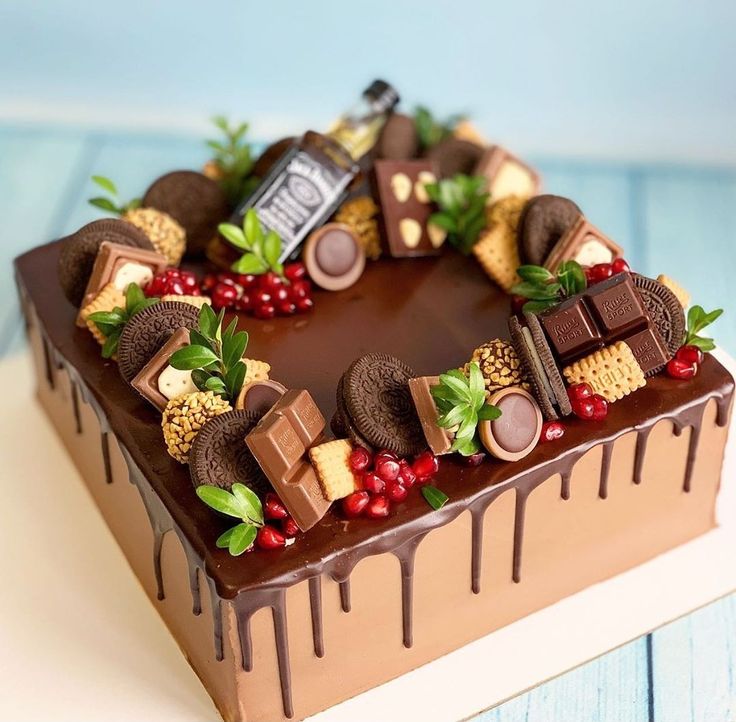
[223, 541]
[466, 447]
[468, 426]
[133, 296]
[242, 539]
[105, 204]
[249, 502]
[229, 332]
[234, 379]
[221, 122]
[105, 184]
[200, 377]
[112, 318]
[208, 321]
[216, 385]
[192, 357]
[221, 500]
[455, 416]
[460, 387]
[550, 291]
[250, 263]
[704, 344]
[111, 344]
[477, 386]
[233, 348]
[143, 303]
[252, 228]
[434, 497]
[198, 339]
[272, 248]
[534, 274]
[488, 412]
[536, 307]
[571, 277]
[234, 235]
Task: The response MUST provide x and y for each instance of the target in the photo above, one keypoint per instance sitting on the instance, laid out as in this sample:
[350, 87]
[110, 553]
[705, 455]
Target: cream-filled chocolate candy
[585, 244]
[516, 432]
[333, 256]
[506, 174]
[406, 207]
[121, 266]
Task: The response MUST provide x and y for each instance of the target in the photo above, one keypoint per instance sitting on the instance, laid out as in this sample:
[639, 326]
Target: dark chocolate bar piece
[571, 329]
[649, 350]
[617, 307]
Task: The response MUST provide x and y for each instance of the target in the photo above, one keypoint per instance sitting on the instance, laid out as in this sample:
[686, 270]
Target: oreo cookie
[378, 404]
[543, 221]
[340, 424]
[540, 366]
[220, 457]
[149, 330]
[664, 309]
[453, 155]
[194, 200]
[79, 251]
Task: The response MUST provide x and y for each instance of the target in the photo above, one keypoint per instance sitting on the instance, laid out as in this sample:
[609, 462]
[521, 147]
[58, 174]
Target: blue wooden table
[671, 219]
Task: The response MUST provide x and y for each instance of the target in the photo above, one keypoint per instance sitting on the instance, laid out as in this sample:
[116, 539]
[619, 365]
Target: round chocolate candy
[515, 433]
[260, 396]
[334, 257]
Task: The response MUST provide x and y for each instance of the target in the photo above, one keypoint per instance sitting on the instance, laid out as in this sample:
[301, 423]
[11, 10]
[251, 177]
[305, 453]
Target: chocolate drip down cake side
[386, 396]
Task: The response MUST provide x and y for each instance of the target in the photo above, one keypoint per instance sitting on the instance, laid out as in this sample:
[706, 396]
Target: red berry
[620, 265]
[270, 281]
[247, 280]
[474, 459]
[227, 278]
[551, 431]
[208, 282]
[286, 308]
[407, 477]
[600, 407]
[387, 469]
[373, 483]
[354, 504]
[172, 281]
[385, 454]
[397, 492]
[578, 392]
[290, 527]
[425, 466]
[224, 296]
[304, 305]
[295, 271]
[280, 294]
[600, 272]
[690, 354]
[265, 311]
[244, 303]
[517, 303]
[270, 538]
[378, 506]
[260, 297]
[683, 370]
[360, 459]
[301, 289]
[584, 409]
[273, 507]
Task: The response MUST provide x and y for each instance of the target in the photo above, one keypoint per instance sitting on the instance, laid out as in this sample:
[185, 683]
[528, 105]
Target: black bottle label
[301, 194]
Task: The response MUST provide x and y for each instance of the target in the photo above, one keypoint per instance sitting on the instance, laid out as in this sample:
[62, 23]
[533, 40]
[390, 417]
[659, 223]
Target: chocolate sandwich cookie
[334, 257]
[341, 424]
[220, 456]
[399, 139]
[195, 201]
[149, 330]
[79, 251]
[544, 220]
[379, 404]
[454, 156]
[665, 311]
[540, 366]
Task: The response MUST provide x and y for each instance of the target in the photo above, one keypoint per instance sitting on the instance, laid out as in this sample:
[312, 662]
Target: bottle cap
[382, 95]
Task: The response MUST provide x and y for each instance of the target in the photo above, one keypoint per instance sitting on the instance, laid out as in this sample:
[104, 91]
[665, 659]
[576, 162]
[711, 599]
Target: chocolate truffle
[334, 257]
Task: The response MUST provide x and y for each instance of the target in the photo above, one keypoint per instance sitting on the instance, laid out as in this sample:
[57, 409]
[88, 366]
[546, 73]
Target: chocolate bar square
[617, 308]
[648, 349]
[438, 439]
[507, 175]
[571, 329]
[585, 244]
[406, 207]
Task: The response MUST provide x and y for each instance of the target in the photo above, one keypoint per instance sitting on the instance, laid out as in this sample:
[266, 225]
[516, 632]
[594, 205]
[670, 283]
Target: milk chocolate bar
[616, 307]
[438, 439]
[570, 329]
[585, 244]
[406, 207]
[280, 444]
[507, 175]
[121, 265]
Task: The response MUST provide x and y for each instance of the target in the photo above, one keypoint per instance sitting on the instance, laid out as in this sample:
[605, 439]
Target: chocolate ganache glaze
[431, 312]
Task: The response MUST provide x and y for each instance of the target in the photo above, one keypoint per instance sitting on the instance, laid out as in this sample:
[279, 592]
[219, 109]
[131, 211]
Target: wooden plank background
[673, 219]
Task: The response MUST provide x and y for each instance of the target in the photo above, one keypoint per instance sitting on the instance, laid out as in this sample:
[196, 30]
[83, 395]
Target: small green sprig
[261, 252]
[112, 323]
[233, 157]
[214, 356]
[462, 203]
[435, 497]
[545, 289]
[461, 401]
[240, 503]
[111, 202]
[431, 130]
[697, 320]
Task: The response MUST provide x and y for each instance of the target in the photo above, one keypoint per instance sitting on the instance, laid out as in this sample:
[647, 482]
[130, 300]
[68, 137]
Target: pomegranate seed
[373, 483]
[227, 278]
[270, 538]
[578, 392]
[286, 308]
[378, 506]
[209, 282]
[551, 431]
[683, 370]
[385, 454]
[290, 527]
[589, 275]
[360, 459]
[397, 492]
[517, 304]
[425, 466]
[600, 407]
[247, 280]
[273, 507]
[354, 504]
[270, 281]
[690, 354]
[295, 271]
[584, 409]
[244, 303]
[301, 289]
[620, 266]
[280, 294]
[407, 477]
[223, 296]
[264, 311]
[387, 469]
[260, 297]
[304, 305]
[474, 459]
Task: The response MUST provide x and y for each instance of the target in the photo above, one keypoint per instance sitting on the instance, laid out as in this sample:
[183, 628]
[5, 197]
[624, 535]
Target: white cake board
[80, 641]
